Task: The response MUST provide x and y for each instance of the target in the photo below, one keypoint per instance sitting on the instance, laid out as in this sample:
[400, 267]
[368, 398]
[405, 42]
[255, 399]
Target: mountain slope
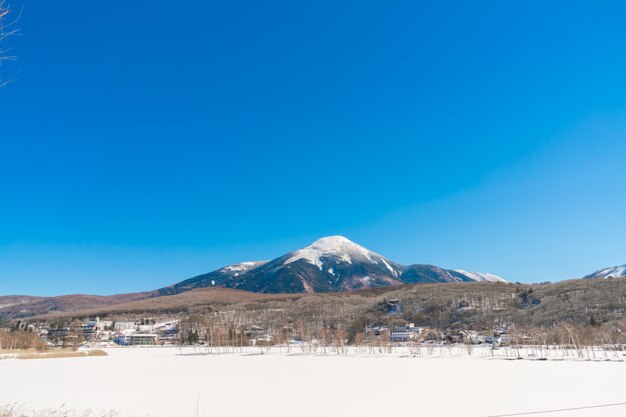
[481, 276]
[223, 277]
[612, 272]
[329, 264]
[418, 274]
[13, 307]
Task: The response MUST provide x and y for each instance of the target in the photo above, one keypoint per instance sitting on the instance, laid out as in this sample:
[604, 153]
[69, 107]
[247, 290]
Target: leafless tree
[7, 28]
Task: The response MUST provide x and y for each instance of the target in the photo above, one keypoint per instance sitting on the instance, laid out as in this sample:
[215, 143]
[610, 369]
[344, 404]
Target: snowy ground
[160, 382]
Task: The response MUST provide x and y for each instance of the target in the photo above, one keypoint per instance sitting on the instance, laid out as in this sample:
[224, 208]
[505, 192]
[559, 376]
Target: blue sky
[145, 142]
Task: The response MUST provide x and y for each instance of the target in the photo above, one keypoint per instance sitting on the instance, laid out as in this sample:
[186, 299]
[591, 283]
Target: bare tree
[7, 29]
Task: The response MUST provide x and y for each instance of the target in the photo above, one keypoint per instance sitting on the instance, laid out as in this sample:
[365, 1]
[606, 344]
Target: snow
[481, 276]
[365, 281]
[342, 250]
[613, 272]
[243, 266]
[159, 382]
[617, 272]
[337, 247]
[393, 271]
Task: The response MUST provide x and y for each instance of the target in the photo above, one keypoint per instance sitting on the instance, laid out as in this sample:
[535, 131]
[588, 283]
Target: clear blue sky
[144, 142]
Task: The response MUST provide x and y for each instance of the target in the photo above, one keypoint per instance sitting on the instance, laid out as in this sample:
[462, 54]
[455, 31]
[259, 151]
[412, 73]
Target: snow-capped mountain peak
[612, 272]
[340, 249]
[332, 263]
[481, 276]
[337, 245]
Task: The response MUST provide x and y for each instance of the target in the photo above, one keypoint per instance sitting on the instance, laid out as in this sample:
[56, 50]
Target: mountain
[14, 301]
[13, 306]
[612, 272]
[329, 264]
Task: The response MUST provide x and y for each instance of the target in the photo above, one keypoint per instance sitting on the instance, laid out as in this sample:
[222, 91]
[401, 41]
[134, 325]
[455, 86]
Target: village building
[143, 339]
[121, 326]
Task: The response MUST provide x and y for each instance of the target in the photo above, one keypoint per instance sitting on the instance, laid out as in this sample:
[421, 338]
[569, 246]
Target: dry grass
[20, 341]
[61, 354]
[16, 410]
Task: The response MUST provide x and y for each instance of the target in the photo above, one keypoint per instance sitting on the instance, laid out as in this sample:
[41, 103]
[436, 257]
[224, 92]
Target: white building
[143, 339]
[120, 326]
[401, 335]
[102, 325]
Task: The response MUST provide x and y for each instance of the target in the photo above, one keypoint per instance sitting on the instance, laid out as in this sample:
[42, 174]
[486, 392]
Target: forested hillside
[451, 307]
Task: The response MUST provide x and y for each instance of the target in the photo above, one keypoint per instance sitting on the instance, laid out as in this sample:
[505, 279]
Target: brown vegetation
[16, 307]
[20, 340]
[578, 312]
[455, 306]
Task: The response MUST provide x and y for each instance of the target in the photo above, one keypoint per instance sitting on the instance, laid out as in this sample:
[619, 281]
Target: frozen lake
[159, 382]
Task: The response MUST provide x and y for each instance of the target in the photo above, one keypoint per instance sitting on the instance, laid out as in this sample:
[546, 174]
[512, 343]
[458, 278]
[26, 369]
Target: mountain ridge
[330, 264]
[610, 272]
[316, 266]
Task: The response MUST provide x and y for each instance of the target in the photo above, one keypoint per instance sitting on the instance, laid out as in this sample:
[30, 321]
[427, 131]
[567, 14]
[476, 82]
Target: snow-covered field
[160, 382]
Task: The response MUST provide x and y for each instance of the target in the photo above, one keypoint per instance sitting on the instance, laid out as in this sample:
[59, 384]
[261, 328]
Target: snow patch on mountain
[365, 281]
[612, 272]
[243, 267]
[393, 271]
[481, 276]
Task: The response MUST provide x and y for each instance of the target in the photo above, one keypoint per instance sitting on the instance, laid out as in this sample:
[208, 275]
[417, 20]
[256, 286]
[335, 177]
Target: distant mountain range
[329, 264]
